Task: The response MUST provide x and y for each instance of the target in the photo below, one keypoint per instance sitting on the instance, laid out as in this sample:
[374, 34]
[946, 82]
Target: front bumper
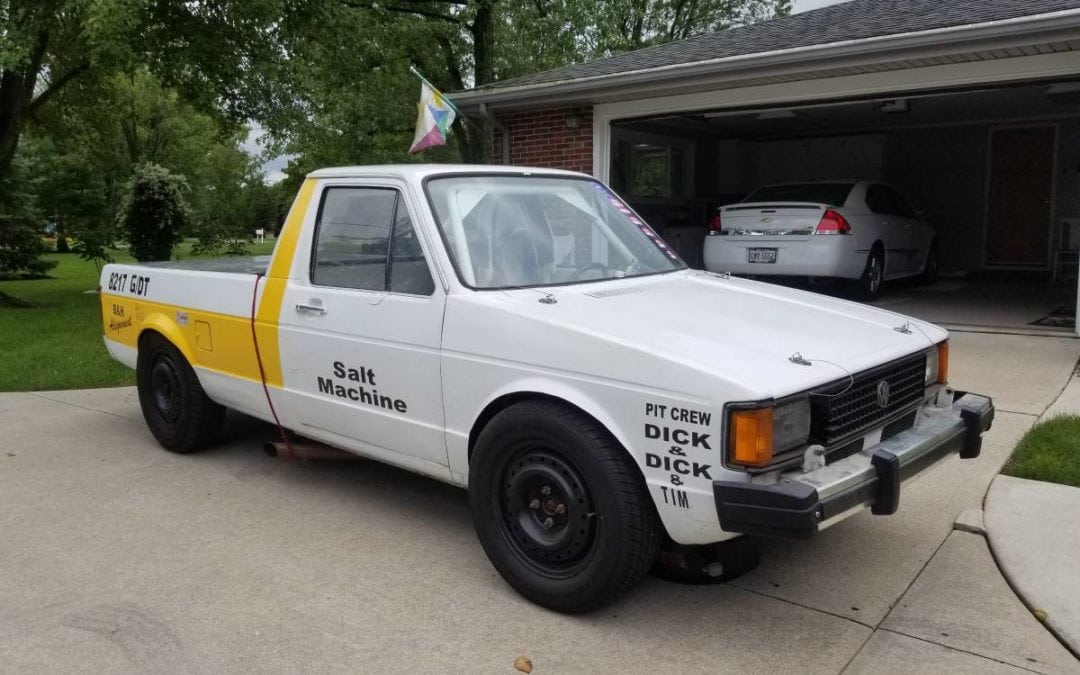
[801, 504]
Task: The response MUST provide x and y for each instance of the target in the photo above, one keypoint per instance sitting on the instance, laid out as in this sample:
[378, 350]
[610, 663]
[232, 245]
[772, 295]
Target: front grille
[844, 451]
[851, 406]
[898, 425]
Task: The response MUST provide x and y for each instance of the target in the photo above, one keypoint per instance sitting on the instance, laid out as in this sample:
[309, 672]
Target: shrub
[153, 212]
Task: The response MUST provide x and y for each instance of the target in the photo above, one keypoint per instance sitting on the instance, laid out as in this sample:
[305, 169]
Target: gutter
[1023, 28]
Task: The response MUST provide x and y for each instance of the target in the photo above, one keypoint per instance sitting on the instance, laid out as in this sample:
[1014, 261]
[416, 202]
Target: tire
[560, 508]
[930, 267]
[180, 415]
[868, 287]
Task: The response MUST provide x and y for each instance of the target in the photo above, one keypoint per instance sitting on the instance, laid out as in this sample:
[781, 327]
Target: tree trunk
[61, 237]
[11, 109]
[477, 145]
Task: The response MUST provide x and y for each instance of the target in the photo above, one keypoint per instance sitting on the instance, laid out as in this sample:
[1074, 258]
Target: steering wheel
[585, 268]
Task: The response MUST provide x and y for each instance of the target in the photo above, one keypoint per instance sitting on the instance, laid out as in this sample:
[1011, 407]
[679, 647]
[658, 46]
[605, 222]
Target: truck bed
[233, 265]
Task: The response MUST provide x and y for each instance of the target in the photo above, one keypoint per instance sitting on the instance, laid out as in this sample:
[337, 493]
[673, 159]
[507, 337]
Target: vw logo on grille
[882, 391]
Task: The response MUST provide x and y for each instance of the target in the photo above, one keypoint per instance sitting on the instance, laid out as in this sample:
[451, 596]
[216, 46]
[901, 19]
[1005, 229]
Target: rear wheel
[179, 413]
[868, 287]
[560, 508]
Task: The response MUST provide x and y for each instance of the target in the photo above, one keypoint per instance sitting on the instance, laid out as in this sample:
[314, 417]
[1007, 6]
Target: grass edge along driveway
[1049, 451]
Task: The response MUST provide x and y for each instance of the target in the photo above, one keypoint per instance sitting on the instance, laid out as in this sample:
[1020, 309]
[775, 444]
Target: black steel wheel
[178, 412]
[559, 507]
[547, 512]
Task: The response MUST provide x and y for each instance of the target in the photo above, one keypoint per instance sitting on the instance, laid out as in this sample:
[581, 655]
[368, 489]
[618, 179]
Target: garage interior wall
[943, 170]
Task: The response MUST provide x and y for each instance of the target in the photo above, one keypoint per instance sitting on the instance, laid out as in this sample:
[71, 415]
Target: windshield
[510, 231]
[833, 194]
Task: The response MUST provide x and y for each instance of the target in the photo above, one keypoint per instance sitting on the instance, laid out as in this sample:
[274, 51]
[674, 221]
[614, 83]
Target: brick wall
[559, 138]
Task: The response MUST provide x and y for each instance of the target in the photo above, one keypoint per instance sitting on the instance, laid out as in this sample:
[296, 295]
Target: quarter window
[903, 207]
[366, 240]
[879, 201]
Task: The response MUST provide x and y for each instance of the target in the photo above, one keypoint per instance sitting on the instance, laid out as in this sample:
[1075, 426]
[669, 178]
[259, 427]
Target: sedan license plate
[761, 255]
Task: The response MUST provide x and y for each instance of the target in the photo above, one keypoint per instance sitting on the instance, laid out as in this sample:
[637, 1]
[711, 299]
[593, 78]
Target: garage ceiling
[1044, 100]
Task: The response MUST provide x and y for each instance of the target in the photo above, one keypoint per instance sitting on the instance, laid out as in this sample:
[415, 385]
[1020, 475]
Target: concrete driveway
[116, 556]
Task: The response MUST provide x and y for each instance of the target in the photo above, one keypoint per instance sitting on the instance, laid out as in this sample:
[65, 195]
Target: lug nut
[546, 490]
[548, 522]
[534, 504]
[560, 509]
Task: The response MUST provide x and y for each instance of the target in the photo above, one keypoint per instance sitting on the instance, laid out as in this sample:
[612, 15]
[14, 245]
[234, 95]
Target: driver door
[361, 329]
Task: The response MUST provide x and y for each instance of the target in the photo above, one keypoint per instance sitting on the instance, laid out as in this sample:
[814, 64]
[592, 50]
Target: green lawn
[56, 342]
[1050, 451]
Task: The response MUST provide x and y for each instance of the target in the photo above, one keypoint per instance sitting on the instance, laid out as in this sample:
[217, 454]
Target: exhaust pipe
[306, 450]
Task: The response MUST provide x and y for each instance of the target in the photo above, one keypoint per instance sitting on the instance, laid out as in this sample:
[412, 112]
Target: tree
[21, 246]
[351, 99]
[86, 145]
[153, 212]
[215, 52]
[218, 54]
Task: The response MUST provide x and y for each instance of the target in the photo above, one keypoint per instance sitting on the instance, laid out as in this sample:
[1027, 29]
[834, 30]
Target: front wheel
[560, 508]
[179, 413]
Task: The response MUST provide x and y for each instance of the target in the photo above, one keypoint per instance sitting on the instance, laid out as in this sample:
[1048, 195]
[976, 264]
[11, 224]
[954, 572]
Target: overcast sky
[805, 5]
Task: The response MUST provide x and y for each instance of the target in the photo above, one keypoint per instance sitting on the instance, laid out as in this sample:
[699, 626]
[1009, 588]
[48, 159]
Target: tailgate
[762, 221]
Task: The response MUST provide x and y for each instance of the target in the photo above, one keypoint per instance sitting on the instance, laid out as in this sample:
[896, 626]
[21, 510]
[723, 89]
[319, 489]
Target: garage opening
[995, 173]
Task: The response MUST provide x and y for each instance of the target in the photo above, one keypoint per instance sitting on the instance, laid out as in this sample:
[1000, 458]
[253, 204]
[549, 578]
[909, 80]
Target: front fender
[678, 459]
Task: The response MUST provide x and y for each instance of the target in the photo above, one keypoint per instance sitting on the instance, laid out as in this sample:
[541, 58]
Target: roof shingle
[854, 20]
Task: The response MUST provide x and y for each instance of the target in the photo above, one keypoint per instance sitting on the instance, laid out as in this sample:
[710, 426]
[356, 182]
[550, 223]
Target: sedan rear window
[833, 194]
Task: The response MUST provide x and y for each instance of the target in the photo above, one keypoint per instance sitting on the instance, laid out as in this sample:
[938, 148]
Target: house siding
[555, 138]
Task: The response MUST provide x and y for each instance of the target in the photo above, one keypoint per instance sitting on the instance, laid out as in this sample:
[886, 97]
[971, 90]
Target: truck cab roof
[421, 171]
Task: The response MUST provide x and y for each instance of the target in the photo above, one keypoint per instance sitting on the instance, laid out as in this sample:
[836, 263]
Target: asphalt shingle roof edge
[846, 22]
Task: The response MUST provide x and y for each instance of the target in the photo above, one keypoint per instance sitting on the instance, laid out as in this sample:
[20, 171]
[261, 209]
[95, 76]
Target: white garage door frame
[1003, 71]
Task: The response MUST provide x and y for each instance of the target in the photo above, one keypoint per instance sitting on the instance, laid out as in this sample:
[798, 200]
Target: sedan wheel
[869, 285]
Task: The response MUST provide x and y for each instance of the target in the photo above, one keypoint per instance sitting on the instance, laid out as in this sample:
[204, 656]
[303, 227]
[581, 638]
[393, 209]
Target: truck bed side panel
[205, 314]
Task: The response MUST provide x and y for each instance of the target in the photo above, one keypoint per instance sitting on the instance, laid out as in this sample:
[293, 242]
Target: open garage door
[994, 171]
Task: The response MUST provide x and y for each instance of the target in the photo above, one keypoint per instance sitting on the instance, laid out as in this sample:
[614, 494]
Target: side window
[877, 198]
[362, 233]
[353, 238]
[409, 272]
[903, 207]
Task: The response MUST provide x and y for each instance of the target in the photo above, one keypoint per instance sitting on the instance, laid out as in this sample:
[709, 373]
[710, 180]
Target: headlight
[759, 434]
[937, 364]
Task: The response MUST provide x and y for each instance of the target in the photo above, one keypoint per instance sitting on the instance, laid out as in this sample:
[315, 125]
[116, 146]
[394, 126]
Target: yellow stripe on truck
[226, 350]
[269, 312]
[224, 344]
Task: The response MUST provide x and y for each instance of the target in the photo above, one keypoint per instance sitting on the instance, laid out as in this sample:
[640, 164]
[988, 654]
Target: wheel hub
[165, 385]
[547, 510]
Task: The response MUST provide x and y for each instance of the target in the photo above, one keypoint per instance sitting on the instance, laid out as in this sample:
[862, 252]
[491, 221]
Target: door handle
[311, 309]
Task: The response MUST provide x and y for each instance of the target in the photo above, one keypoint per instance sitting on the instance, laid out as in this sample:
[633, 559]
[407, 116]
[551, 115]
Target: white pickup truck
[524, 334]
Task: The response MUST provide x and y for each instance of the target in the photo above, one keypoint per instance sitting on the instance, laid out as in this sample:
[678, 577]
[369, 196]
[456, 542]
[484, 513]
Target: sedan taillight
[714, 225]
[832, 223]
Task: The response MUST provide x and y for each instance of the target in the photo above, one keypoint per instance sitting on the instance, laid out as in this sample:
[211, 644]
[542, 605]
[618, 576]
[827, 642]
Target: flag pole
[414, 71]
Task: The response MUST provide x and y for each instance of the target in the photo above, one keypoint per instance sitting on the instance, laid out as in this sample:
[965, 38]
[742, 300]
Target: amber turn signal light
[751, 442]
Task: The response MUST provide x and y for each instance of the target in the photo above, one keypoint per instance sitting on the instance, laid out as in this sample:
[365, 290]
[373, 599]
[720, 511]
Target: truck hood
[743, 331]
